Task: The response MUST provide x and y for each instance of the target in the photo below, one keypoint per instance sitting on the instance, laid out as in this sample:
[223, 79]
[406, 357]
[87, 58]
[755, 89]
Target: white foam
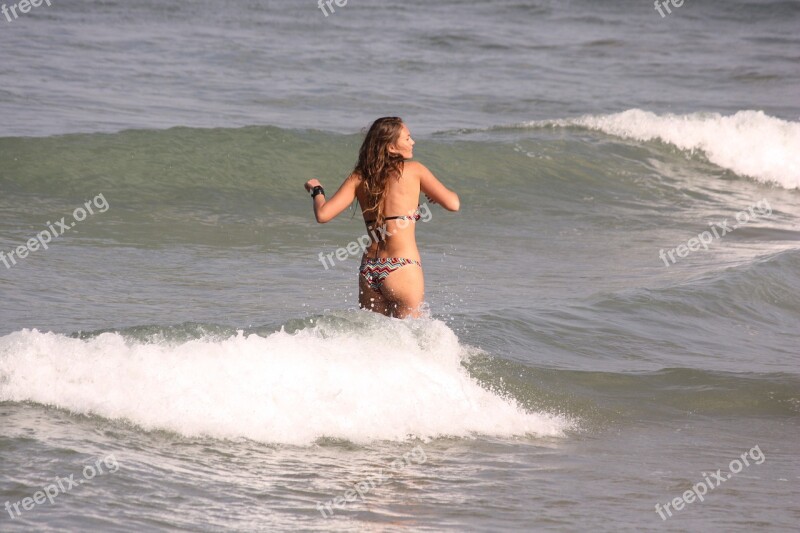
[402, 379]
[749, 143]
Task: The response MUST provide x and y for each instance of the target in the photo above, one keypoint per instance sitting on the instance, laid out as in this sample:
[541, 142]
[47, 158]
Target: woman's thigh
[369, 298]
[405, 290]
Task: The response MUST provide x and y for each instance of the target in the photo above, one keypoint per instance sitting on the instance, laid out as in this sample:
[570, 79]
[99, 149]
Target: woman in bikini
[386, 182]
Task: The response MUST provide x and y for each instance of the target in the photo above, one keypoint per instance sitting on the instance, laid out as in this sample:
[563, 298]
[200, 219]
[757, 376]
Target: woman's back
[401, 200]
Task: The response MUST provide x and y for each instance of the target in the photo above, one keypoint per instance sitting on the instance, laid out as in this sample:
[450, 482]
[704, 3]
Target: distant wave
[749, 143]
[387, 383]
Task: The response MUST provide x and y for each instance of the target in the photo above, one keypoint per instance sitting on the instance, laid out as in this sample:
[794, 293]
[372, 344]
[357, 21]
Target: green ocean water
[548, 282]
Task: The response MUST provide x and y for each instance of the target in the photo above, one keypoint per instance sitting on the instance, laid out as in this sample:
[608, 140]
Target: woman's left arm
[327, 210]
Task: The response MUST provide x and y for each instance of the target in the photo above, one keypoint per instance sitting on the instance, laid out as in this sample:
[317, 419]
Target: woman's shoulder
[414, 167]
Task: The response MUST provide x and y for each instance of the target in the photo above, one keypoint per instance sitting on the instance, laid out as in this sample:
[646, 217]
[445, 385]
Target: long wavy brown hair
[376, 165]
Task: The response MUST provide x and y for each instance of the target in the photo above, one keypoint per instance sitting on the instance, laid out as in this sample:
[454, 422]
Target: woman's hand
[310, 184]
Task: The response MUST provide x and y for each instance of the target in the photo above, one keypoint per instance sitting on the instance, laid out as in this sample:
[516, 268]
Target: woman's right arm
[326, 210]
[436, 191]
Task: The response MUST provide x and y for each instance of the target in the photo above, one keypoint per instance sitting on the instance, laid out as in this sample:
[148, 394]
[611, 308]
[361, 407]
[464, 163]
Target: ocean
[612, 340]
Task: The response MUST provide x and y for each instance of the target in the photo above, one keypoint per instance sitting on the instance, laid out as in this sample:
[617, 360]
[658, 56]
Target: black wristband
[317, 190]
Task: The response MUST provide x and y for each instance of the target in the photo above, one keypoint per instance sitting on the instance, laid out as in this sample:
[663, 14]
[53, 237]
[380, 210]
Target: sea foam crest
[388, 383]
[749, 143]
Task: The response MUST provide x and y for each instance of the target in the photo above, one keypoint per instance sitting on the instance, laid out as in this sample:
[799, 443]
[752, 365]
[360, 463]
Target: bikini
[377, 269]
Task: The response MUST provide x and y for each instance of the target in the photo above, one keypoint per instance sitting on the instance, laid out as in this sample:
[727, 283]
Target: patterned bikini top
[416, 216]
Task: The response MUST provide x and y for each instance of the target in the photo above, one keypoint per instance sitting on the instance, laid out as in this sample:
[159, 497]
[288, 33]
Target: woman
[387, 186]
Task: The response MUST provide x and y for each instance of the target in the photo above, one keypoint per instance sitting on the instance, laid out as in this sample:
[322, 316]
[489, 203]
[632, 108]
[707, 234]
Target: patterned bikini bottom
[376, 270]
